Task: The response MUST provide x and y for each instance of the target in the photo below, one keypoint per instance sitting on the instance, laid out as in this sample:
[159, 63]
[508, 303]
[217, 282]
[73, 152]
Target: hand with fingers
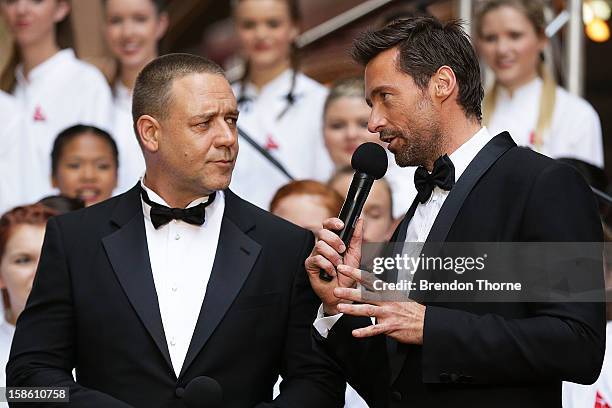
[328, 253]
[402, 321]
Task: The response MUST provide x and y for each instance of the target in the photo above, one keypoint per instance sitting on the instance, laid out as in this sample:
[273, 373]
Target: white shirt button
[172, 343]
[177, 237]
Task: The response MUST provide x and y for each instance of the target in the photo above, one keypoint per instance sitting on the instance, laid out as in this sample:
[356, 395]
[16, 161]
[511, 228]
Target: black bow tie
[443, 176]
[161, 215]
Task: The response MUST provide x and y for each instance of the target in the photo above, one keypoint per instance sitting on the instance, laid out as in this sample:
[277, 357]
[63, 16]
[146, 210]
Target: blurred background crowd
[67, 70]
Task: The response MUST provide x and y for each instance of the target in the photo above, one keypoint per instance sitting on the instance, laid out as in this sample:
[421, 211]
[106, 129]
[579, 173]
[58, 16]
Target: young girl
[280, 108]
[345, 127]
[21, 236]
[52, 87]
[306, 203]
[84, 164]
[133, 29]
[525, 100]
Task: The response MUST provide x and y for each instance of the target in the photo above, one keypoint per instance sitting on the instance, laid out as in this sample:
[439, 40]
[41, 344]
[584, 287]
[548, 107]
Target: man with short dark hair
[423, 84]
[178, 278]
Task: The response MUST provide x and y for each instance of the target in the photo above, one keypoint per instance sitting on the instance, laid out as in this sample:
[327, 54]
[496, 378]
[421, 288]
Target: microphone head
[203, 392]
[370, 158]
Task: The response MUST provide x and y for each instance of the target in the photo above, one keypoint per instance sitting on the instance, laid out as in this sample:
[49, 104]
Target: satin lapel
[129, 256]
[485, 158]
[235, 257]
[397, 244]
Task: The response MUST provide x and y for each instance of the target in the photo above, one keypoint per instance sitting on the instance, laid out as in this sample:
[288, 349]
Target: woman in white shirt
[133, 29]
[280, 108]
[10, 118]
[524, 99]
[345, 127]
[53, 89]
[21, 236]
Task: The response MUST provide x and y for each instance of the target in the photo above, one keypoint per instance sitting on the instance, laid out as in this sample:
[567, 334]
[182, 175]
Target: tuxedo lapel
[129, 256]
[235, 257]
[485, 158]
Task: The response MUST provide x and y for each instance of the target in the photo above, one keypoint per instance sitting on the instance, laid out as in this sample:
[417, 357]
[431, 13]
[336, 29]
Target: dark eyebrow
[375, 92]
[208, 115]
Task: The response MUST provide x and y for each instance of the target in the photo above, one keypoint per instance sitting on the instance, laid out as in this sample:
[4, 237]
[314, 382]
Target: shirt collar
[42, 69]
[525, 92]
[153, 196]
[464, 155]
[278, 86]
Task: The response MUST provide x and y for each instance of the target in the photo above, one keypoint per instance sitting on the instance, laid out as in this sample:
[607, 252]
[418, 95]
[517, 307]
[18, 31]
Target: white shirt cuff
[324, 324]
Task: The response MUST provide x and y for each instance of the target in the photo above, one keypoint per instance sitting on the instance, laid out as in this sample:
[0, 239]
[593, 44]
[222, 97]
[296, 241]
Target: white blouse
[131, 159]
[10, 120]
[575, 131]
[295, 140]
[58, 93]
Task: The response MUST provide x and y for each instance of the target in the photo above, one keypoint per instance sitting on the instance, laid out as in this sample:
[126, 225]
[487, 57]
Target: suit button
[454, 377]
[396, 396]
[179, 392]
[445, 377]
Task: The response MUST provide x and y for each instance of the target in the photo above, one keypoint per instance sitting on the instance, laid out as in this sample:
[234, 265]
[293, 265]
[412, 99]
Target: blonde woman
[280, 107]
[133, 29]
[525, 99]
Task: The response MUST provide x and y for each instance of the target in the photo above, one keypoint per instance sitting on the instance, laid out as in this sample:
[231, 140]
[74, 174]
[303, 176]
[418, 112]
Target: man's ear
[149, 132]
[443, 83]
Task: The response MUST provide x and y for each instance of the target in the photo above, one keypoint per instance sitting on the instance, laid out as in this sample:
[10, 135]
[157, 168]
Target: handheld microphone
[370, 163]
[203, 392]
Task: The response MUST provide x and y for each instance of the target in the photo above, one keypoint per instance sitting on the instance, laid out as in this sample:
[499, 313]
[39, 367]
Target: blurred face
[198, 144]
[19, 262]
[305, 210]
[345, 128]
[266, 31]
[133, 29]
[86, 169]
[402, 113]
[376, 213]
[33, 21]
[510, 45]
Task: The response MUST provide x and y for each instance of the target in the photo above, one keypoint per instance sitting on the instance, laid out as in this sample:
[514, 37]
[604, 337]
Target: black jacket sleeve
[556, 341]
[310, 378]
[43, 348]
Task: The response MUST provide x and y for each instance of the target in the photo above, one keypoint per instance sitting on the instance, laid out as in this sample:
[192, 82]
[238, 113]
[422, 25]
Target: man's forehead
[203, 83]
[381, 65]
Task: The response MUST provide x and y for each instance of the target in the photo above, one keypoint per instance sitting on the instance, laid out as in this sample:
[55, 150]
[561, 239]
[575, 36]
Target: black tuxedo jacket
[490, 354]
[93, 307]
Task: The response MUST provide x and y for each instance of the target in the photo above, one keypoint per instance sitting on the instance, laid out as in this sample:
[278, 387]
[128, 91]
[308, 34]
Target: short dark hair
[152, 91]
[425, 44]
[67, 135]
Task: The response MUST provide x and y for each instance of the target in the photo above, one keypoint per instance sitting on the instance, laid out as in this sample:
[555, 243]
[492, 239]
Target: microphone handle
[351, 210]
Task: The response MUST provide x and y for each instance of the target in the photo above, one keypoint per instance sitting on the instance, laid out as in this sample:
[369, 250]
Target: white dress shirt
[575, 129]
[131, 159]
[295, 140]
[182, 257]
[58, 93]
[426, 213]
